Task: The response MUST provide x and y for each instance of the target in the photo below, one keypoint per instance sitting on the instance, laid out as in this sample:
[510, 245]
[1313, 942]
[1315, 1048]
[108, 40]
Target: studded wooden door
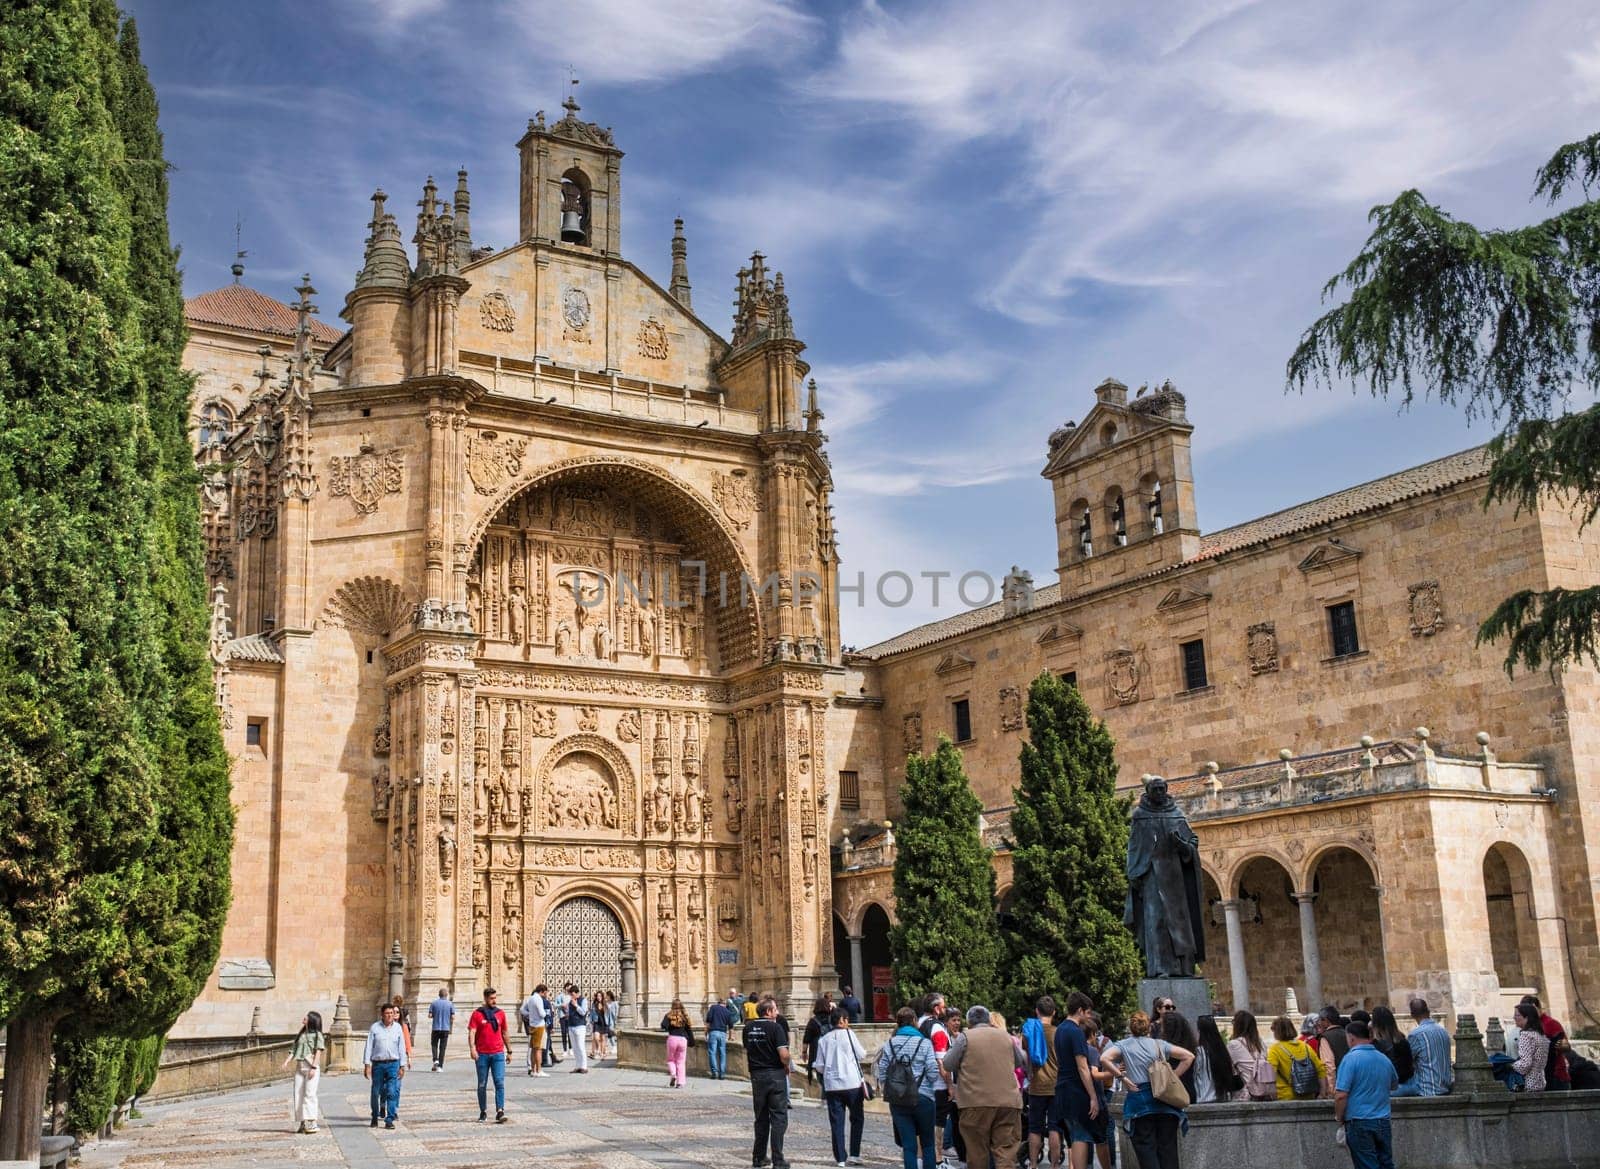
[583, 944]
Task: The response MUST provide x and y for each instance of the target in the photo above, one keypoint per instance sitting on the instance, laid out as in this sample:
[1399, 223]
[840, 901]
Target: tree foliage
[945, 936]
[115, 863]
[1069, 845]
[1503, 323]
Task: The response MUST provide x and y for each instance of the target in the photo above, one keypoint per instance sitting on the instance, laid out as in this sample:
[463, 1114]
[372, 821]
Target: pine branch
[1549, 628]
[1544, 456]
[1578, 161]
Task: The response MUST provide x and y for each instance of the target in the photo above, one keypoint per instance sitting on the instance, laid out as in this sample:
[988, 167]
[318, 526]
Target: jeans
[386, 1090]
[717, 1053]
[842, 1104]
[492, 1065]
[441, 1039]
[1370, 1143]
[914, 1126]
[1155, 1141]
[677, 1058]
[769, 1089]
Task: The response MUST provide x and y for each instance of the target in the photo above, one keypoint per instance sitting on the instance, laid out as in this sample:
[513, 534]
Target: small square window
[253, 732]
[1194, 664]
[850, 790]
[1070, 677]
[1342, 629]
[962, 711]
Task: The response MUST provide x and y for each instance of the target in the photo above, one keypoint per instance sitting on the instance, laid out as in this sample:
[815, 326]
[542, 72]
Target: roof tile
[237, 306]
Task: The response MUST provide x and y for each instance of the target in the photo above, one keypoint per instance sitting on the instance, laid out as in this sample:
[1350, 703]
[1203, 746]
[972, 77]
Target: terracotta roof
[256, 647]
[236, 306]
[1380, 493]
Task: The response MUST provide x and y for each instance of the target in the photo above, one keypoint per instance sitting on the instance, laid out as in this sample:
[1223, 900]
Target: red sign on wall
[882, 984]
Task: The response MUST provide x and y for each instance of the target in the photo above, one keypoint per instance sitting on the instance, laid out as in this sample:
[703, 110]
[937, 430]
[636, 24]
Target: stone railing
[1356, 773]
[220, 1072]
[878, 851]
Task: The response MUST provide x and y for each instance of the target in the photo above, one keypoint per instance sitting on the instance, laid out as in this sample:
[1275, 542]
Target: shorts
[536, 1038]
[1079, 1129]
[1041, 1115]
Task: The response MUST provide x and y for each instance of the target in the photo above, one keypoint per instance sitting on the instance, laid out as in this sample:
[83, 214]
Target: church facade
[529, 655]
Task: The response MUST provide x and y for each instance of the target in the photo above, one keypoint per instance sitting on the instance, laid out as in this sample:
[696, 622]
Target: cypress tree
[945, 936]
[1069, 850]
[104, 923]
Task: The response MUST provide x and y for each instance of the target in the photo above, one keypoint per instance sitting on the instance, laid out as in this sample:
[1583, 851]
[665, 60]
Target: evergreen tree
[1504, 323]
[1069, 833]
[945, 936]
[106, 921]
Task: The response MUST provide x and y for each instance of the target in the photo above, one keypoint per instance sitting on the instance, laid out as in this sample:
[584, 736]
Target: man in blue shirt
[719, 1019]
[1077, 1102]
[441, 1016]
[1361, 1100]
[1430, 1054]
[851, 1004]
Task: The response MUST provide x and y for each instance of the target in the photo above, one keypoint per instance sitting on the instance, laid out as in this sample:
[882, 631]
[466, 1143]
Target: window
[1342, 629]
[849, 790]
[255, 733]
[1194, 664]
[216, 425]
[1119, 522]
[1070, 677]
[963, 719]
[1157, 520]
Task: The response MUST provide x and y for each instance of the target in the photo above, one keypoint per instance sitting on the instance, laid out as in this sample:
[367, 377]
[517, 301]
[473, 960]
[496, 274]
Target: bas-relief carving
[912, 733]
[367, 477]
[1010, 708]
[1123, 668]
[738, 493]
[1426, 608]
[1261, 643]
[492, 460]
[581, 794]
[496, 313]
[653, 342]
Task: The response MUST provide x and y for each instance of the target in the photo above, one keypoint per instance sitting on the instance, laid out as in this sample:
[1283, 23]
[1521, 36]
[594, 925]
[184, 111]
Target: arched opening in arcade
[877, 966]
[1513, 929]
[1216, 968]
[1269, 925]
[1349, 932]
[582, 944]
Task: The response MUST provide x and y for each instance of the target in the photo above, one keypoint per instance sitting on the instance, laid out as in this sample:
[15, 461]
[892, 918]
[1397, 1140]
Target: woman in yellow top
[1282, 1055]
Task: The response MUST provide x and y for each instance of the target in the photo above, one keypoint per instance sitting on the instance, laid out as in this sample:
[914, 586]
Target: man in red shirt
[486, 1044]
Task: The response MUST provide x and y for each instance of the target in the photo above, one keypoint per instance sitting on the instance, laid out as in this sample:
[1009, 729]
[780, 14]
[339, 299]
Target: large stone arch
[738, 613]
[562, 900]
[1308, 870]
[627, 789]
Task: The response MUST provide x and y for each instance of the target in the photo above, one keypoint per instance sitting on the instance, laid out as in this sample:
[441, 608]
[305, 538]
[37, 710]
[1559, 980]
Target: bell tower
[570, 191]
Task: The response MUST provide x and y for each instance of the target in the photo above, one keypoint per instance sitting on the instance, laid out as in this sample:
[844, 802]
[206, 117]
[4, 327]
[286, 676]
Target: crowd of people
[964, 1091]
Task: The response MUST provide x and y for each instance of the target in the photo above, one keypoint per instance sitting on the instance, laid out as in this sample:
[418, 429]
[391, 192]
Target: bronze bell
[572, 227]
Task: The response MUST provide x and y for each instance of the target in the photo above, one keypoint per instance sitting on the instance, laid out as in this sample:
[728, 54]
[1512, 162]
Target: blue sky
[980, 210]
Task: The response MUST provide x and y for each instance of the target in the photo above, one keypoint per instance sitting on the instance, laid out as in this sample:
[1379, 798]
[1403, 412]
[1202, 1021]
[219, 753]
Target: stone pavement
[608, 1119]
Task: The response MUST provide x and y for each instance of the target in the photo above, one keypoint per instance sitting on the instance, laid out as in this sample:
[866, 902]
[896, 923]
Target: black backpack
[900, 1079]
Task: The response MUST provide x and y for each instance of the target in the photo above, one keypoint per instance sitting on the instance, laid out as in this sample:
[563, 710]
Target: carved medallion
[575, 310]
[366, 478]
[913, 733]
[628, 726]
[1261, 642]
[735, 492]
[1010, 709]
[492, 460]
[652, 339]
[1122, 676]
[496, 313]
[1427, 611]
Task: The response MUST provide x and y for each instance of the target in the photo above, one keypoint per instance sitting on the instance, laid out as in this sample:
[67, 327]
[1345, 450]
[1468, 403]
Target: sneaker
[856, 1161]
[311, 1130]
[482, 1116]
[388, 1124]
[840, 1164]
[500, 1117]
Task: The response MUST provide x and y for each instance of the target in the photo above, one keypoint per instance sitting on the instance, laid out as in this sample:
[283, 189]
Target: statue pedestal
[1192, 995]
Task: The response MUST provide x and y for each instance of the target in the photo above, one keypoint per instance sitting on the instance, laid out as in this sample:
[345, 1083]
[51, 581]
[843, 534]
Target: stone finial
[680, 266]
[462, 242]
[1423, 734]
[1213, 784]
[1473, 1072]
[1486, 758]
[1285, 755]
[385, 264]
[341, 1016]
[220, 633]
[1291, 1006]
[813, 413]
[1494, 1036]
[1112, 392]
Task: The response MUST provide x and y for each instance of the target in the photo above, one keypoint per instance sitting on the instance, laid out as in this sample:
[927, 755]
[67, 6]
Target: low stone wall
[220, 1072]
[647, 1051]
[1545, 1130]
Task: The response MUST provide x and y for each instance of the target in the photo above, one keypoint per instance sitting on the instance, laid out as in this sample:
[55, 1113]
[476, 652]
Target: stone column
[1308, 949]
[629, 962]
[397, 972]
[1236, 967]
[858, 979]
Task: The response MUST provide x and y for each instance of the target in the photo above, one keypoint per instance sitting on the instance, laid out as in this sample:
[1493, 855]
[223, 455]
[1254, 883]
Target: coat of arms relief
[367, 477]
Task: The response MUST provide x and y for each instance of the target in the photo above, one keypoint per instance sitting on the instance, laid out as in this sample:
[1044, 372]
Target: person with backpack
[909, 1075]
[1039, 1044]
[930, 1024]
[1151, 1115]
[816, 1027]
[838, 1061]
[1249, 1057]
[535, 1018]
[486, 1044]
[1299, 1070]
[680, 1038]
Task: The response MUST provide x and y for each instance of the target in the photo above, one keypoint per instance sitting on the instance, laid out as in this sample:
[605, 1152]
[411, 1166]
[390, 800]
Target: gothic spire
[386, 264]
[463, 238]
[680, 265]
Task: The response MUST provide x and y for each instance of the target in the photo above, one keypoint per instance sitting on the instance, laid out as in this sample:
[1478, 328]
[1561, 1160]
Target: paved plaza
[608, 1119]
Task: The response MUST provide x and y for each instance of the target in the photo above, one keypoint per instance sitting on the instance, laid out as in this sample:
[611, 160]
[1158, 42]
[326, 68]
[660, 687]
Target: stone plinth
[1193, 995]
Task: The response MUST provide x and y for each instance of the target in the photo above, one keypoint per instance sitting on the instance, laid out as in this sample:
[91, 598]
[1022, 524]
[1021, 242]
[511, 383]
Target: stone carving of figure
[475, 598]
[480, 930]
[697, 926]
[808, 859]
[517, 616]
[602, 641]
[1163, 902]
[563, 638]
[527, 804]
[380, 792]
[734, 803]
[511, 940]
[663, 806]
[647, 630]
[507, 789]
[603, 801]
[691, 807]
[447, 854]
[667, 934]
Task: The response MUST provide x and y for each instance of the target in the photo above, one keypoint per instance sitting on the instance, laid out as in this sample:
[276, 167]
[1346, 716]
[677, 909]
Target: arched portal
[876, 960]
[1513, 936]
[1349, 931]
[1269, 919]
[583, 944]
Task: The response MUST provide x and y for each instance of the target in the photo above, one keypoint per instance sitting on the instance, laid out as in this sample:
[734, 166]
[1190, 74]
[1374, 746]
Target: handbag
[1166, 1087]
